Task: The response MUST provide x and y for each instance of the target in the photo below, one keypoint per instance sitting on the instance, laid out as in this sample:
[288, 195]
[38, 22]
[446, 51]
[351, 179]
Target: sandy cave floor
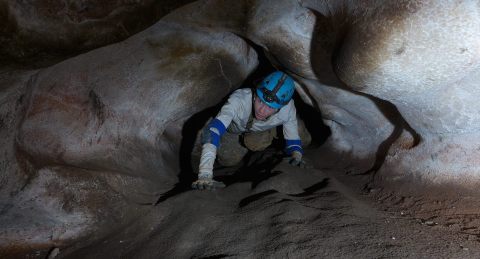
[284, 212]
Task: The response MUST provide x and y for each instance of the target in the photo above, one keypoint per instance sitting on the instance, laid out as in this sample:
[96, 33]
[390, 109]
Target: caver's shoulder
[241, 97]
[242, 93]
[287, 111]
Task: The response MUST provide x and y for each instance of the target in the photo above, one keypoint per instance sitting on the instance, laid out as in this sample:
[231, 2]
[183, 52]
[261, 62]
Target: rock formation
[90, 140]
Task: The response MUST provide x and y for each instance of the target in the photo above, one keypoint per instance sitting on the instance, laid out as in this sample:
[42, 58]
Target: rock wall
[37, 33]
[423, 57]
[101, 132]
[396, 82]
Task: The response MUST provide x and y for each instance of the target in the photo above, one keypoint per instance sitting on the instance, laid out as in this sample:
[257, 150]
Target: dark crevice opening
[255, 166]
[312, 117]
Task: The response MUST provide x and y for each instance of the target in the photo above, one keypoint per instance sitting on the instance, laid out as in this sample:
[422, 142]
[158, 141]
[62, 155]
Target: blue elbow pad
[213, 132]
[293, 145]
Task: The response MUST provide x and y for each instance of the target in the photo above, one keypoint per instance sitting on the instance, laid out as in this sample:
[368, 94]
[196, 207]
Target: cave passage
[102, 102]
[255, 166]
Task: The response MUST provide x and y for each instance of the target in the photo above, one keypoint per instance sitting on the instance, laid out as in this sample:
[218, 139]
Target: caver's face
[262, 111]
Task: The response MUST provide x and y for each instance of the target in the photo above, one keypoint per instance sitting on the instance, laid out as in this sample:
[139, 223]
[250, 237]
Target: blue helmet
[276, 90]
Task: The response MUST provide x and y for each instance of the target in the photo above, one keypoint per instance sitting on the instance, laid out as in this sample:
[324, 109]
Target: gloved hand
[207, 183]
[296, 159]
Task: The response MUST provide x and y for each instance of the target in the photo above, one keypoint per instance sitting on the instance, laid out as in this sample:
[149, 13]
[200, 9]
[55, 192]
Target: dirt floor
[283, 211]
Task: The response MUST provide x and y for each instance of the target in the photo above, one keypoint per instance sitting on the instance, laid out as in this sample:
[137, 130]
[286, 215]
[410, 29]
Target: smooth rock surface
[37, 33]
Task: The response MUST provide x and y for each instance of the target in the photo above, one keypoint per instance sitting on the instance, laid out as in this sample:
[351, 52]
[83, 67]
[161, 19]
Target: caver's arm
[211, 137]
[293, 144]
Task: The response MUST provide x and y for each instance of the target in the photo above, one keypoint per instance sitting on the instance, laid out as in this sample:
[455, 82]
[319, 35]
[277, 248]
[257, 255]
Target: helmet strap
[271, 96]
[279, 84]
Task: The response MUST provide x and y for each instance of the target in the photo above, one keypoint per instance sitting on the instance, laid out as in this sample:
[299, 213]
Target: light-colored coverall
[234, 117]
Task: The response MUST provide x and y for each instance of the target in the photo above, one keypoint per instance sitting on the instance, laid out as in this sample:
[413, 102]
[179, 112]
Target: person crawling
[251, 115]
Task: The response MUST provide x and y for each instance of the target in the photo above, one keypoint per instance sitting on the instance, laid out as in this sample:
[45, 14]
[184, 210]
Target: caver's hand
[207, 183]
[296, 159]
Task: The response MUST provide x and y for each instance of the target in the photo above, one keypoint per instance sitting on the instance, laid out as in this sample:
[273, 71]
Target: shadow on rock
[307, 192]
[189, 136]
[257, 167]
[325, 56]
